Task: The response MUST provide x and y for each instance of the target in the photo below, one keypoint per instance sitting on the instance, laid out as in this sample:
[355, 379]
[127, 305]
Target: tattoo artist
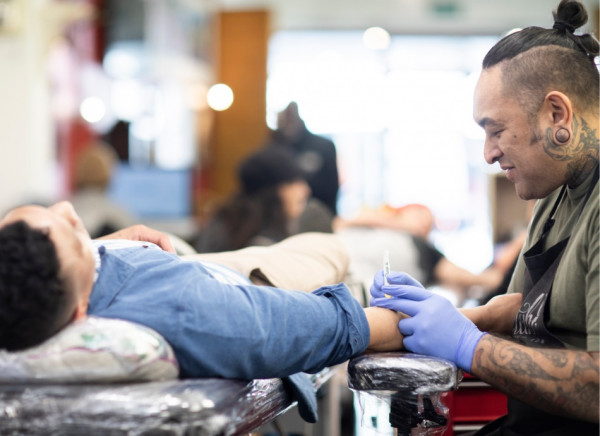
[537, 100]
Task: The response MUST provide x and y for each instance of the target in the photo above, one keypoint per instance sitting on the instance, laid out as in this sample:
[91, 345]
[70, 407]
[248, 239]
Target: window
[401, 122]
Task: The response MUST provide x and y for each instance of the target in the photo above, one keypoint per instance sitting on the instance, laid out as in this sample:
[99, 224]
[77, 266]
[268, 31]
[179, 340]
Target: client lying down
[219, 322]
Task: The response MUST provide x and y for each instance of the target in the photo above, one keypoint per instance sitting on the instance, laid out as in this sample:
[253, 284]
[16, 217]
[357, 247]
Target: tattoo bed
[103, 376]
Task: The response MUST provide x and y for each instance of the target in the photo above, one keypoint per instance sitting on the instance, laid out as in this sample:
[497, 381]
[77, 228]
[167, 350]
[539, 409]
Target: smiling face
[72, 244]
[515, 140]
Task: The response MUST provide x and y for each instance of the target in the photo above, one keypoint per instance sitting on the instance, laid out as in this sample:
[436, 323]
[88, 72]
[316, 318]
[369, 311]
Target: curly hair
[536, 60]
[33, 297]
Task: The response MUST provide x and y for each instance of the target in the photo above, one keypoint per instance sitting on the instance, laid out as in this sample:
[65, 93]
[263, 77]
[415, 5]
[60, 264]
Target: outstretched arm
[383, 325]
[453, 276]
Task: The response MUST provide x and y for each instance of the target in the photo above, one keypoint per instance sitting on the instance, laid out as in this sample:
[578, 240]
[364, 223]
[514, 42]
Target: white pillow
[97, 350]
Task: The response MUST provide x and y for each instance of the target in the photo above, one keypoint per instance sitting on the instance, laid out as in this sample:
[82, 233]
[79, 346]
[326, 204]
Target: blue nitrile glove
[436, 327]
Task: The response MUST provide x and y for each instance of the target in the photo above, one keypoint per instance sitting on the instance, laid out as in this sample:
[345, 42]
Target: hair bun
[569, 15]
[563, 26]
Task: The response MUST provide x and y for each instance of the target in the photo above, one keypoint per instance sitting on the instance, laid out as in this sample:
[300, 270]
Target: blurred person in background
[314, 154]
[93, 174]
[274, 202]
[404, 233]
[272, 195]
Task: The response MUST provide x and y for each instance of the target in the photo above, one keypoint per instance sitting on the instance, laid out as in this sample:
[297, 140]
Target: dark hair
[268, 168]
[33, 297]
[256, 210]
[537, 60]
[247, 216]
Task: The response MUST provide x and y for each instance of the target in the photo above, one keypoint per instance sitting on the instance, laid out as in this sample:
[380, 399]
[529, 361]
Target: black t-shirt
[429, 256]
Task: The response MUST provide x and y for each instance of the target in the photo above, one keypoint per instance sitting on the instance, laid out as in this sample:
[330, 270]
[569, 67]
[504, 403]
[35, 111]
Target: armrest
[402, 372]
[408, 386]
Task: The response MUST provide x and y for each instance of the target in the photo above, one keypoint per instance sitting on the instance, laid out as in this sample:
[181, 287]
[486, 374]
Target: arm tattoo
[559, 381]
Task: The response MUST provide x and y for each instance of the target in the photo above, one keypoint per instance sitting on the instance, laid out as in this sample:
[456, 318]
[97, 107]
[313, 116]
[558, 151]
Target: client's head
[46, 273]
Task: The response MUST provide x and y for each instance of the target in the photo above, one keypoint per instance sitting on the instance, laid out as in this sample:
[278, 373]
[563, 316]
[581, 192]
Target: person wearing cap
[272, 195]
[537, 100]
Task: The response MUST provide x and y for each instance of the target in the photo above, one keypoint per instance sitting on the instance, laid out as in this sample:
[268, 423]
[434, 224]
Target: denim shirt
[219, 329]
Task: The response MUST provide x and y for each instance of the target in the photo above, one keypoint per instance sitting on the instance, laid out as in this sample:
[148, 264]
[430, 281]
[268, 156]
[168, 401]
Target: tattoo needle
[386, 269]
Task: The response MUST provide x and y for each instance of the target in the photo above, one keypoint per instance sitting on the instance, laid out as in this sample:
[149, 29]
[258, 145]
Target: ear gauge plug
[562, 136]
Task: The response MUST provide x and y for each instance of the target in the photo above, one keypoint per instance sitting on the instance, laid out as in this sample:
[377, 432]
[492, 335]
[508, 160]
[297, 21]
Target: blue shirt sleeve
[261, 332]
[219, 328]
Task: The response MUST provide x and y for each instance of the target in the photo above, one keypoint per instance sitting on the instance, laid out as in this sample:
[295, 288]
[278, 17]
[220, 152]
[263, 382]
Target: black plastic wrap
[176, 407]
[403, 391]
[402, 372]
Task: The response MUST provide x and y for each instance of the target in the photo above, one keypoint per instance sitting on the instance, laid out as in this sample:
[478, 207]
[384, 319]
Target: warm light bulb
[376, 38]
[219, 97]
[92, 109]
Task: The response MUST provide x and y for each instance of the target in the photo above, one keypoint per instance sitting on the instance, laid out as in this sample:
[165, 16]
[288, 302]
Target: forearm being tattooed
[559, 381]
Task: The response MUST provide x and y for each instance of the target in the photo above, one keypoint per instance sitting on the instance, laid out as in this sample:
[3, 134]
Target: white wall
[27, 145]
[409, 16]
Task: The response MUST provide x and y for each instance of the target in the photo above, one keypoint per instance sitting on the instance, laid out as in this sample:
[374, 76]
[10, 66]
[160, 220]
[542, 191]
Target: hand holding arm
[559, 381]
[142, 233]
[435, 326]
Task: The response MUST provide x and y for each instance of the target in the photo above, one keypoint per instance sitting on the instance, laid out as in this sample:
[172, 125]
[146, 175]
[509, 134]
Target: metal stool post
[411, 383]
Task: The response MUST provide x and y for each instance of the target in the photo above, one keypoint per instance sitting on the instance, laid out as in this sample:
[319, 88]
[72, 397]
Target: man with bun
[537, 100]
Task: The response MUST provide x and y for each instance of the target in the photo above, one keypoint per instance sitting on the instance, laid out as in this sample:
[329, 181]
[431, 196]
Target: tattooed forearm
[559, 381]
[523, 364]
[559, 360]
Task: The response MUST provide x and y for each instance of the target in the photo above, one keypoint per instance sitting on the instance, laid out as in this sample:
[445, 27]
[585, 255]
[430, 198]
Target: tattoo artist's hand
[497, 316]
[142, 233]
[436, 327]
